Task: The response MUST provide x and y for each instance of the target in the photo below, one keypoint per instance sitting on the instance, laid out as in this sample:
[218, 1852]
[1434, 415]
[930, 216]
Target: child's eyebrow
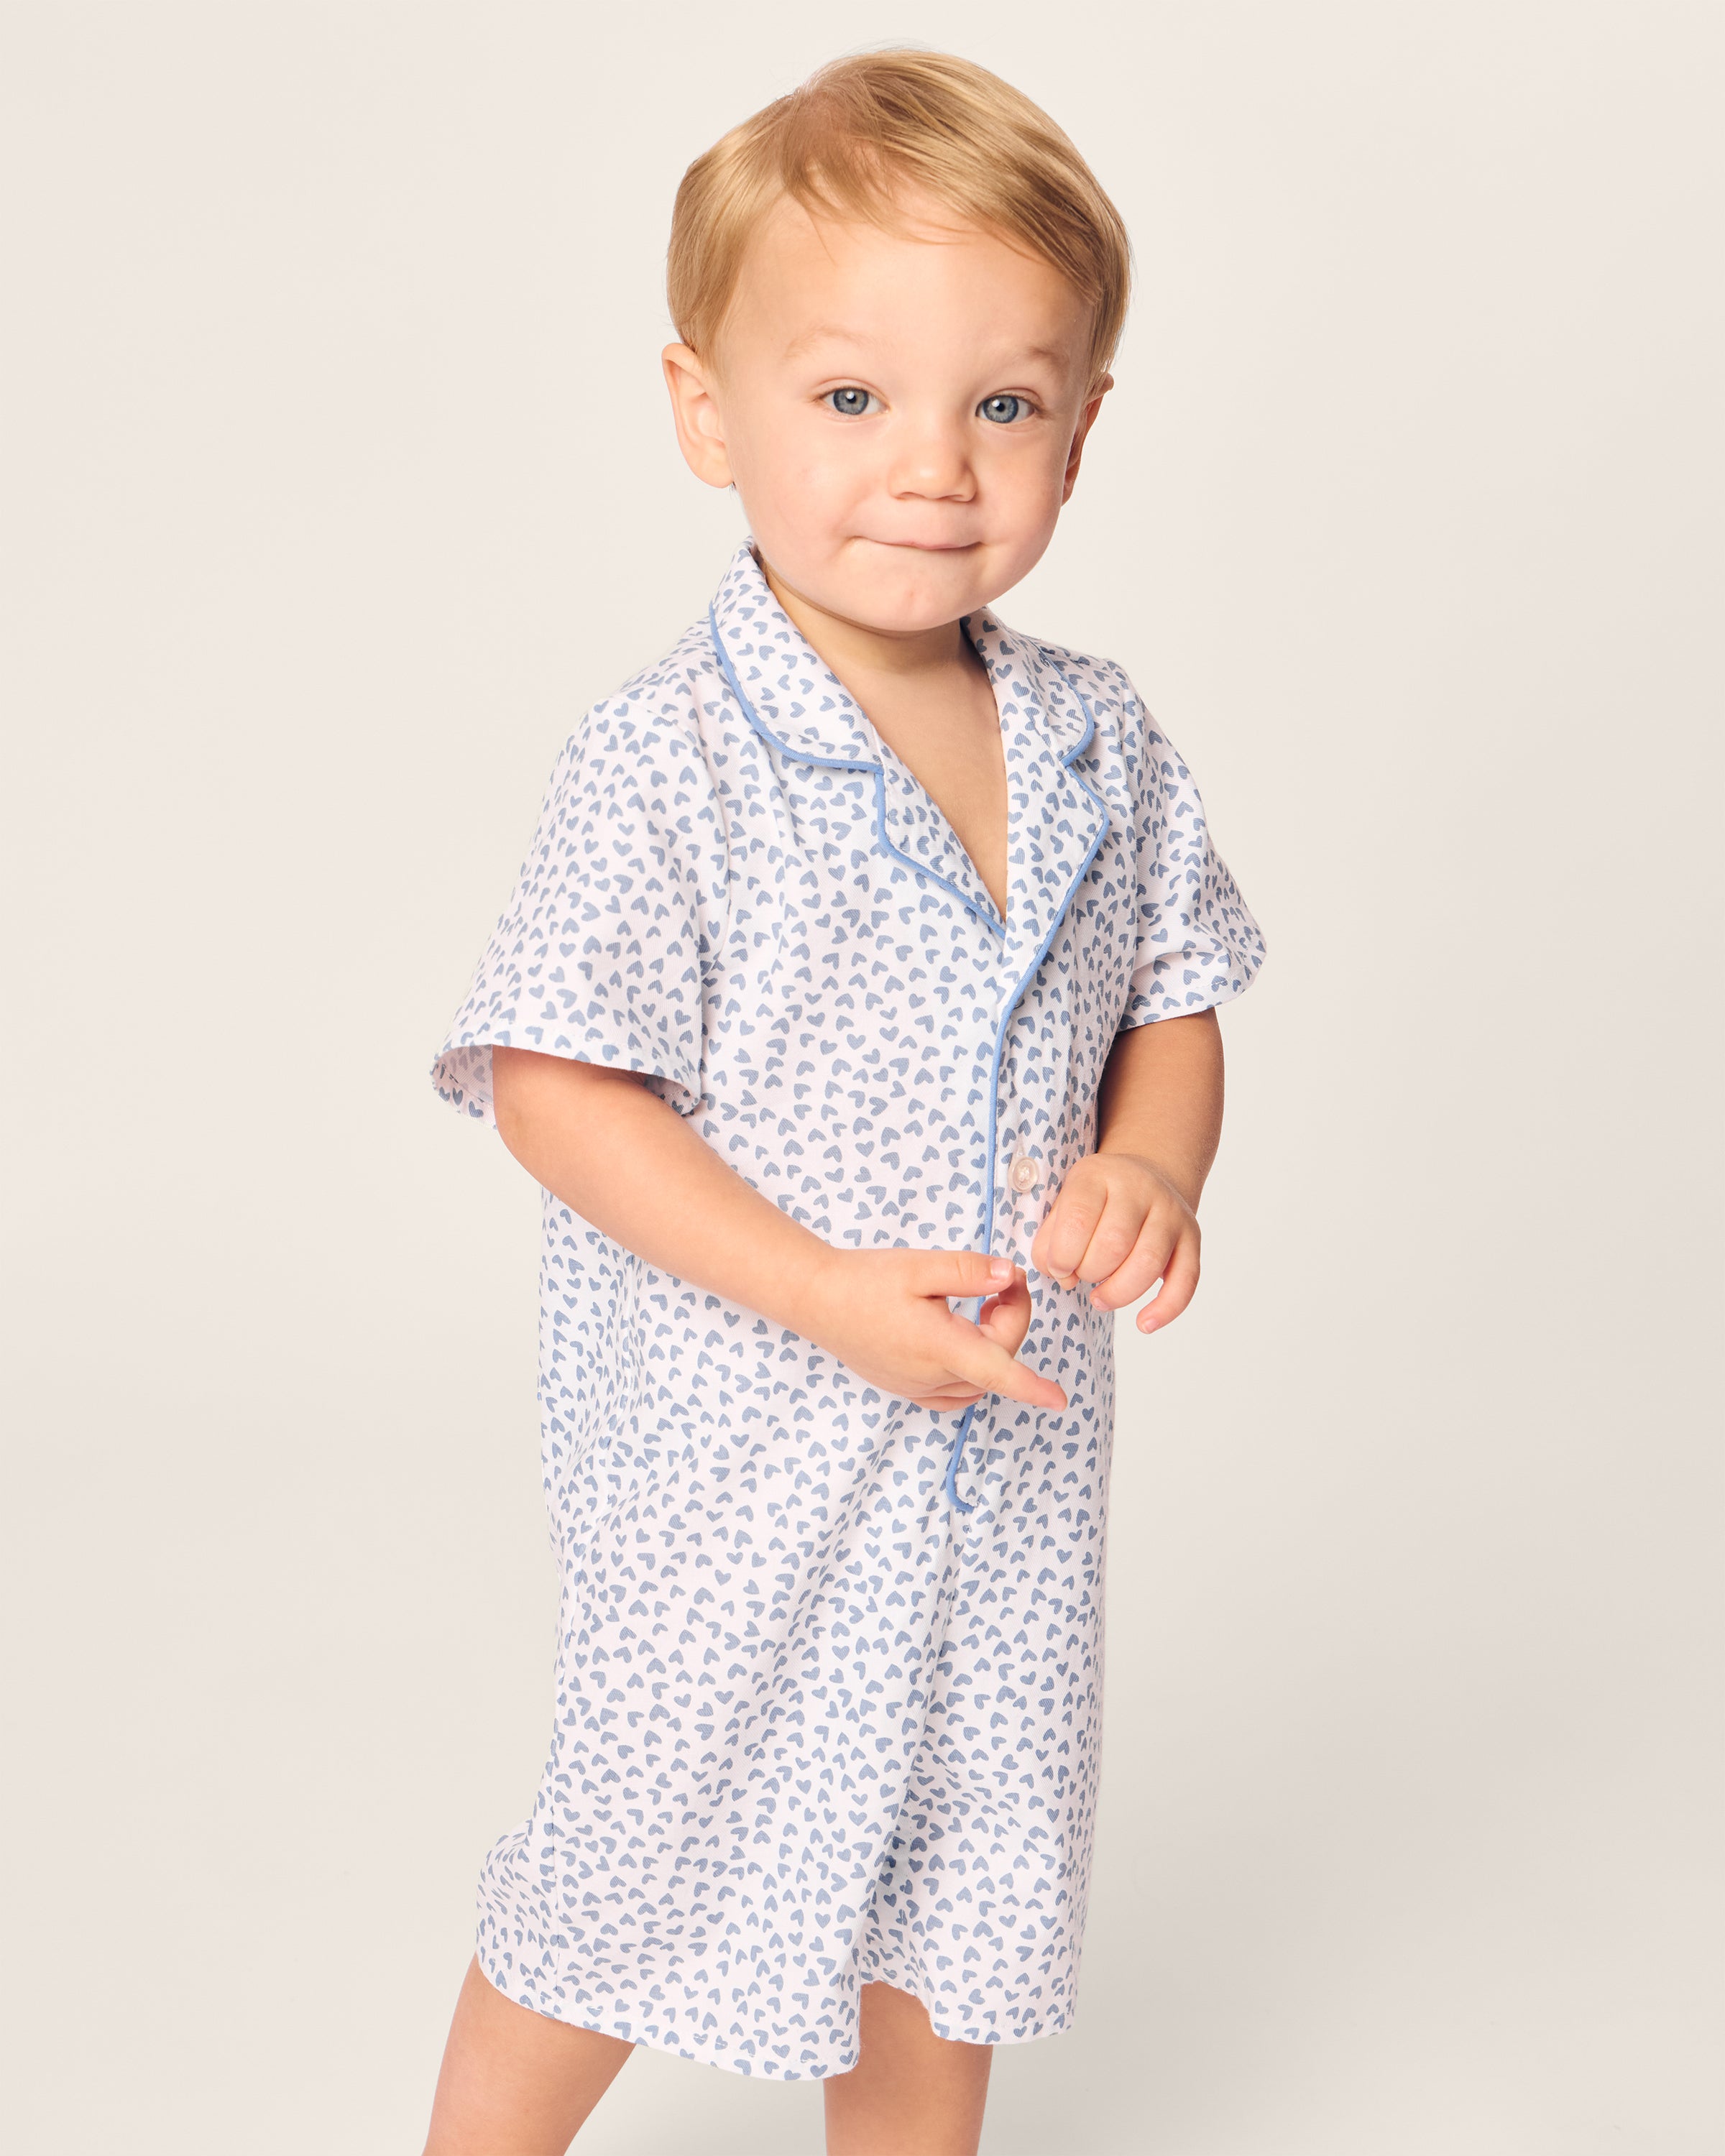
[825, 333]
[835, 333]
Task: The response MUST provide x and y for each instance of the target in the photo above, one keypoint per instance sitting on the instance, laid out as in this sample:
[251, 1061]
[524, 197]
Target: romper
[829, 1665]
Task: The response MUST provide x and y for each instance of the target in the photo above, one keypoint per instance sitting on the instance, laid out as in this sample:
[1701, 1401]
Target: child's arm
[625, 1161]
[1126, 1216]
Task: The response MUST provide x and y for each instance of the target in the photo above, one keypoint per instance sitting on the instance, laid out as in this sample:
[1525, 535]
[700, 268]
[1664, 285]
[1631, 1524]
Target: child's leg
[911, 2093]
[514, 2082]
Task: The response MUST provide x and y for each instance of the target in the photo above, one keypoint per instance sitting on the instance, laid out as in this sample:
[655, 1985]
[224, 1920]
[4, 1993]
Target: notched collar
[1054, 823]
[792, 696]
[787, 689]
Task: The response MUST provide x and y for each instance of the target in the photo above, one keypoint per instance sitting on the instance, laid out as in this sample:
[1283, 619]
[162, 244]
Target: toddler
[855, 1009]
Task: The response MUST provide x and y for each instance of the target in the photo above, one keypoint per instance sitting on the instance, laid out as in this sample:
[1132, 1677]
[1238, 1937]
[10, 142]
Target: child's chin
[924, 591]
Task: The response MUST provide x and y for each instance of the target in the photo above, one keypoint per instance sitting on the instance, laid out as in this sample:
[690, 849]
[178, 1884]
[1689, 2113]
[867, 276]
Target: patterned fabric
[829, 1675]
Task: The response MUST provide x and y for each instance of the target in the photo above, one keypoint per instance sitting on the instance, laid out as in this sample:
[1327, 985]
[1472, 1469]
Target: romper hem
[599, 2026]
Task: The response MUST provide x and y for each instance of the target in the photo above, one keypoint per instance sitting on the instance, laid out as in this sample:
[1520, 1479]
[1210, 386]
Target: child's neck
[928, 697]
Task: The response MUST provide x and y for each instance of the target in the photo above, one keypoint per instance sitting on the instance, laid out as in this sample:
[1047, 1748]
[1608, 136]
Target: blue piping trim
[1030, 974]
[953, 1499]
[989, 919]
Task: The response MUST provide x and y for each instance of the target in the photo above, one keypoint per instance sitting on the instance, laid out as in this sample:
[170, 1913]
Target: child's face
[903, 412]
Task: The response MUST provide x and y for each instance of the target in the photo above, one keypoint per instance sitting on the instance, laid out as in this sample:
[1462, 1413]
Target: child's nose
[933, 464]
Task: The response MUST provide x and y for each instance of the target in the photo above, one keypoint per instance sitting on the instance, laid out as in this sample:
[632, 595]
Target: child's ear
[1093, 405]
[701, 431]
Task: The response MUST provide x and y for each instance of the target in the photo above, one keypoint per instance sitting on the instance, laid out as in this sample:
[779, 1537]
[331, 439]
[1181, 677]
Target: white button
[1022, 1175]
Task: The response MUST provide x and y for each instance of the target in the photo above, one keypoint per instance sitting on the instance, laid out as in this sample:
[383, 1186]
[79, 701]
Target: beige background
[336, 481]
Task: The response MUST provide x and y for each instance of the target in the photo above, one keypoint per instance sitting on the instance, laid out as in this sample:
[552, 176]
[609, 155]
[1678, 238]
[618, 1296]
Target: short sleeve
[601, 952]
[1197, 944]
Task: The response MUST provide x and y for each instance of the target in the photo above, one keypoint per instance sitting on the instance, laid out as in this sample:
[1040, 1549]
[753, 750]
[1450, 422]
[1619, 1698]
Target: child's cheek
[808, 502]
[1025, 484]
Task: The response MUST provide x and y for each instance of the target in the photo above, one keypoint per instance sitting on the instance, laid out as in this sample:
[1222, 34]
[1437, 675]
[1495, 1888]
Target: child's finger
[1116, 1227]
[960, 1333]
[983, 1363]
[1179, 1284]
[1006, 1318]
[1064, 1236]
[1112, 1240]
[1143, 1265]
[961, 1274]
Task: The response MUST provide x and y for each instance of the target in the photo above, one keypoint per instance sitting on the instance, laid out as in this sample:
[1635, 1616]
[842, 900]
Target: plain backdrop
[337, 479]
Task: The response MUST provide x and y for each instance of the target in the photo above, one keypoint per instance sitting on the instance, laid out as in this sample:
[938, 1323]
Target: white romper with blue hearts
[829, 1672]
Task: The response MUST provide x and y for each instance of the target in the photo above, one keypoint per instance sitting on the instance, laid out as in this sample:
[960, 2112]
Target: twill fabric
[829, 1679]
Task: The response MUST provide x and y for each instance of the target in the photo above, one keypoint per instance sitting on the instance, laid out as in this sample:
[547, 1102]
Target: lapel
[1055, 824]
[792, 697]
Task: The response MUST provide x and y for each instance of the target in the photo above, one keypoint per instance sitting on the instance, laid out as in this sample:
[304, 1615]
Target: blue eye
[1003, 411]
[853, 403]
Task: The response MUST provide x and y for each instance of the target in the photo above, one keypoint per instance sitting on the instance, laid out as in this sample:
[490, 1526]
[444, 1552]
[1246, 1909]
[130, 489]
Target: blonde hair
[858, 134]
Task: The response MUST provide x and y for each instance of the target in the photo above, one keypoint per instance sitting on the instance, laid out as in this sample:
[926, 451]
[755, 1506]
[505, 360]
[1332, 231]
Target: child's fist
[1119, 1223]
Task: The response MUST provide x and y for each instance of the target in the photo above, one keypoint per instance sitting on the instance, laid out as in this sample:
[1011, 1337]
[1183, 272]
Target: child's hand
[1118, 1222]
[885, 1314]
